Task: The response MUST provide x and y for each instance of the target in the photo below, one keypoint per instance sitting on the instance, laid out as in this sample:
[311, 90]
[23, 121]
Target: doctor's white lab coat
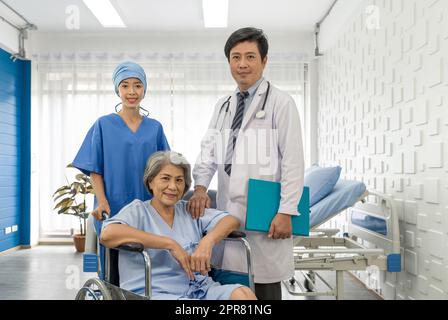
[268, 149]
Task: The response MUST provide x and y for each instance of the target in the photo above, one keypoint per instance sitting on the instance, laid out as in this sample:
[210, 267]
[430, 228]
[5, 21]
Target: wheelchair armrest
[139, 248]
[132, 247]
[236, 234]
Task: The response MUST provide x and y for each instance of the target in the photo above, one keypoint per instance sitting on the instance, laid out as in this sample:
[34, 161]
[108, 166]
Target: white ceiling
[176, 15]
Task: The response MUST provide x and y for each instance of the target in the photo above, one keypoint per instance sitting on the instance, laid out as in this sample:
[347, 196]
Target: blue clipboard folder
[263, 201]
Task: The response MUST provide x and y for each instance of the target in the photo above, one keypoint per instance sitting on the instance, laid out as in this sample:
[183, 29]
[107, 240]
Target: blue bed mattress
[344, 195]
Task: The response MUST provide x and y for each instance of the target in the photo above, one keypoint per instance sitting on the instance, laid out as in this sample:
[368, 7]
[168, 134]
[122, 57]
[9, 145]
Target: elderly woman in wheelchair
[179, 253]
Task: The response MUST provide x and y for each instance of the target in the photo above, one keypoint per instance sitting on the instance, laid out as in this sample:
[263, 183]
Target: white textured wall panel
[417, 138]
[436, 244]
[435, 155]
[417, 189]
[397, 163]
[432, 190]
[410, 212]
[445, 223]
[410, 262]
[422, 285]
[383, 114]
[409, 162]
[409, 239]
[437, 270]
[434, 127]
[421, 112]
[423, 223]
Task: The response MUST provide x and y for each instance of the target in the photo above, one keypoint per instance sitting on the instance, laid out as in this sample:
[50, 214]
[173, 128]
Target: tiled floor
[55, 272]
[43, 272]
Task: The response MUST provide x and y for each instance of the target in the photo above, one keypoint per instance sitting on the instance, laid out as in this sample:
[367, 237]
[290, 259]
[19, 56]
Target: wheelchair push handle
[236, 234]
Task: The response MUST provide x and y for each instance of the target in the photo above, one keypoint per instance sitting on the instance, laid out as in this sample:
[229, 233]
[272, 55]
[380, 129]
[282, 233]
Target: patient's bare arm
[200, 259]
[116, 234]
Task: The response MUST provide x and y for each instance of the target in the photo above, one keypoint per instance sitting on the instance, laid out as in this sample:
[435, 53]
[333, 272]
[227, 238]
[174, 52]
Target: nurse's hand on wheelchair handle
[182, 258]
[98, 212]
[198, 202]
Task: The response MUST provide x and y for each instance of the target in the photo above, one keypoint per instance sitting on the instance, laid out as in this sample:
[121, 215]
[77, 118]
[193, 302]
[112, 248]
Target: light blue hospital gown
[112, 150]
[169, 280]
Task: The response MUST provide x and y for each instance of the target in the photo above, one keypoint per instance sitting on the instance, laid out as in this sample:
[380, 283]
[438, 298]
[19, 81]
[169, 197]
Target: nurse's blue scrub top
[112, 150]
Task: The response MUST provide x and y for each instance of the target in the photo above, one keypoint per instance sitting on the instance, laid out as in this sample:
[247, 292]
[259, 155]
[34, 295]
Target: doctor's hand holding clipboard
[263, 201]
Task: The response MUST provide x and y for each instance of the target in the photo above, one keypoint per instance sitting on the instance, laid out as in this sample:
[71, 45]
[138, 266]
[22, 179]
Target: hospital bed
[371, 217]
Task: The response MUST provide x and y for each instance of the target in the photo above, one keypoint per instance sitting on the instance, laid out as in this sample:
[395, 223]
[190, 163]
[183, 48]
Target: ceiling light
[215, 13]
[105, 12]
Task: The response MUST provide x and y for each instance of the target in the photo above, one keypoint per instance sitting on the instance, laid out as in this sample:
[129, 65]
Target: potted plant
[71, 199]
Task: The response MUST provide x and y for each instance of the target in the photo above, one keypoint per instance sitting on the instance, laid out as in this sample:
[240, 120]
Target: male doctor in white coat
[254, 133]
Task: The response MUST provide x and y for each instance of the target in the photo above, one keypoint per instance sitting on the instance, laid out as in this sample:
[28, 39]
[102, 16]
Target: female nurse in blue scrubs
[115, 149]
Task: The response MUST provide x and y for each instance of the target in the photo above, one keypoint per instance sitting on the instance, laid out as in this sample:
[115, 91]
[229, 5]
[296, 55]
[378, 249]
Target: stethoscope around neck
[145, 112]
[259, 115]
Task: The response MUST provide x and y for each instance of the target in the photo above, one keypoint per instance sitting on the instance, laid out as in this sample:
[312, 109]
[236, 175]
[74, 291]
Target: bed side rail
[377, 222]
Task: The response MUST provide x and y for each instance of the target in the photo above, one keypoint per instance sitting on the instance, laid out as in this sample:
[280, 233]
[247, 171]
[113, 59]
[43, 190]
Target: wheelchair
[107, 285]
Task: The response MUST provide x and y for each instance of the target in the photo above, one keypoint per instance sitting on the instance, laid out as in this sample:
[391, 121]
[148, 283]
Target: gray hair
[159, 159]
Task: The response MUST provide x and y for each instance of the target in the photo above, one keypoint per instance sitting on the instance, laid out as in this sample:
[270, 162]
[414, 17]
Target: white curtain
[70, 91]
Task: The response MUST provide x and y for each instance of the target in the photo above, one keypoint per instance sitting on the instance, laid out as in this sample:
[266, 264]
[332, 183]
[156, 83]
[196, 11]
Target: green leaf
[89, 190]
[65, 196]
[82, 177]
[61, 189]
[76, 187]
[61, 194]
[82, 207]
[61, 200]
[79, 208]
[64, 210]
[66, 203]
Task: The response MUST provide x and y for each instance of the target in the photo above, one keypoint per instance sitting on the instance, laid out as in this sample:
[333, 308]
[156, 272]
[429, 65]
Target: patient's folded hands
[200, 259]
[182, 257]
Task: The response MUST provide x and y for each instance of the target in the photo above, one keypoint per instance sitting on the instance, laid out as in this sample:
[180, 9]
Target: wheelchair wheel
[94, 289]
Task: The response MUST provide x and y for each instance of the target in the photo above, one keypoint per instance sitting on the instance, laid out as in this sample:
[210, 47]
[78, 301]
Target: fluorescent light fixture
[105, 12]
[215, 13]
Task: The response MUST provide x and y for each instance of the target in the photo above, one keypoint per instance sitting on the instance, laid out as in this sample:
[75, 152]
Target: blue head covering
[128, 69]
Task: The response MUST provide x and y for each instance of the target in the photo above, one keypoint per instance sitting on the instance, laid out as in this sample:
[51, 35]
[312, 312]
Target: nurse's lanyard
[260, 114]
[145, 112]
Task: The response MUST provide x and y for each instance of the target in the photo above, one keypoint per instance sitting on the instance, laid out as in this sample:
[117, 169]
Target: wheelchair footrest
[89, 262]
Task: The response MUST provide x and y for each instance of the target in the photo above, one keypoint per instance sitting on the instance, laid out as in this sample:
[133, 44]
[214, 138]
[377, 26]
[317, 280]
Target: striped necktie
[236, 125]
